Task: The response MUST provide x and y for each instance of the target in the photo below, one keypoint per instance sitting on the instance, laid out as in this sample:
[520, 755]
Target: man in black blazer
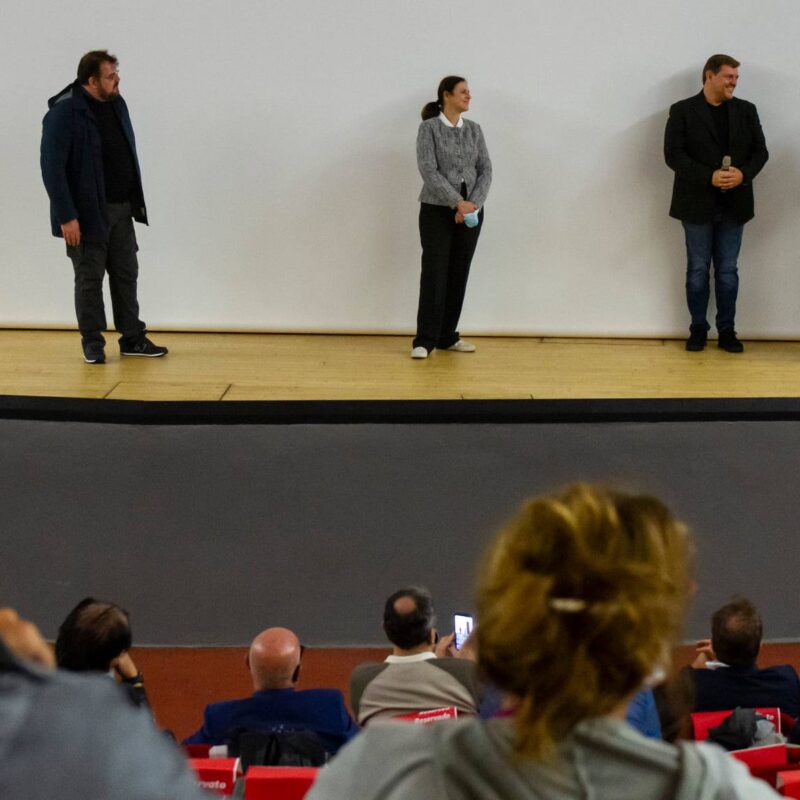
[715, 145]
[726, 674]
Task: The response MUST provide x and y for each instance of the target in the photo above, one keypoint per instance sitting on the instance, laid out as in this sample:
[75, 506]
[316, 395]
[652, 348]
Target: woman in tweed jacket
[456, 170]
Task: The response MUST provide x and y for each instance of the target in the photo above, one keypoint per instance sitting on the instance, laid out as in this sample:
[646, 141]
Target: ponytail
[431, 110]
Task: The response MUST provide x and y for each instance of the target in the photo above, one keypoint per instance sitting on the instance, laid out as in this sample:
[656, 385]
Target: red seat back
[703, 721]
[278, 783]
[788, 783]
[216, 774]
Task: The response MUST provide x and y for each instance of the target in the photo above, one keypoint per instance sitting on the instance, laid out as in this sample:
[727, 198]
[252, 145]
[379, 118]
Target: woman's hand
[465, 207]
[459, 217]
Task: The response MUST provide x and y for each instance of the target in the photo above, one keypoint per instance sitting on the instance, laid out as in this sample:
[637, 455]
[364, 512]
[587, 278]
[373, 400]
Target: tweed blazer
[448, 156]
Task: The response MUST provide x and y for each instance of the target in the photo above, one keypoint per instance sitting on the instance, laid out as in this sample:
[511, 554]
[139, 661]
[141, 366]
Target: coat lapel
[702, 111]
[734, 122]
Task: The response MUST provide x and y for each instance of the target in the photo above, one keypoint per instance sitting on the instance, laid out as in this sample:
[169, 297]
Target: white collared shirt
[443, 118]
[424, 656]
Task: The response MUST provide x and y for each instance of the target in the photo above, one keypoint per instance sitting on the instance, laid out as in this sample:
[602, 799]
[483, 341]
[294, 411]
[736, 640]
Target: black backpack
[277, 748]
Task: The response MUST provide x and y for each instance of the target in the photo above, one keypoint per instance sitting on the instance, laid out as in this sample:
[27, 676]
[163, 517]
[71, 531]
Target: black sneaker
[142, 348]
[729, 342]
[697, 340]
[93, 353]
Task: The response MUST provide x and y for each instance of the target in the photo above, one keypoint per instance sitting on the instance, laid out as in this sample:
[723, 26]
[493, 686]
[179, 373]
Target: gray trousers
[117, 256]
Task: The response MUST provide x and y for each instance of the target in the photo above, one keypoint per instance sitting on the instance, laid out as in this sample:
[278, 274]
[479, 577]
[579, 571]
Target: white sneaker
[419, 352]
[462, 347]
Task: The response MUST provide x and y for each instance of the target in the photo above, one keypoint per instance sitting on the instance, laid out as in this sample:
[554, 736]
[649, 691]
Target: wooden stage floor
[230, 366]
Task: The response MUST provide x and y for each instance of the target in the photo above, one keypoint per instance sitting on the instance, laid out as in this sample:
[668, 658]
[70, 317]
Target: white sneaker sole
[143, 355]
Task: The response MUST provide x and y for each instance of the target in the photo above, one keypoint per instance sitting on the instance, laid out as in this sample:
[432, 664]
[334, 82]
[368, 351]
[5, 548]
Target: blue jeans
[721, 241]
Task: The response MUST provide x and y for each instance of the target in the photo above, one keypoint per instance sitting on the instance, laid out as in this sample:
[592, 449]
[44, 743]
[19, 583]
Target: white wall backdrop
[277, 147]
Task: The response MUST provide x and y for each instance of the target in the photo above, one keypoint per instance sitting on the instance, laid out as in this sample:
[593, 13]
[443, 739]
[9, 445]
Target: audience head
[92, 636]
[736, 633]
[274, 659]
[579, 601]
[446, 87]
[408, 618]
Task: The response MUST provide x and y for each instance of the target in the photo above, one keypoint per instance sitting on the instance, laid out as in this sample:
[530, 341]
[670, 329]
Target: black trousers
[117, 256]
[447, 250]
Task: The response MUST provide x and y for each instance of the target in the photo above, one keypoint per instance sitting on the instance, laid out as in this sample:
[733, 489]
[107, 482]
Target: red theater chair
[278, 783]
[216, 774]
[788, 783]
[703, 721]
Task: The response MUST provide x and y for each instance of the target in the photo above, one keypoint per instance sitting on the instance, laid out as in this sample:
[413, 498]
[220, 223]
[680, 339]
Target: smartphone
[462, 625]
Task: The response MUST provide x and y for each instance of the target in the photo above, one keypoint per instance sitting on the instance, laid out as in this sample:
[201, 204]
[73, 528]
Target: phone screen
[462, 625]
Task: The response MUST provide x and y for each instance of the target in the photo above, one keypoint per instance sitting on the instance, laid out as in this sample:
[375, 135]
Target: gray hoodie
[605, 759]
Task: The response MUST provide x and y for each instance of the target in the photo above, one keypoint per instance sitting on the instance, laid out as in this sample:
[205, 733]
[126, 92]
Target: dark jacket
[72, 164]
[319, 710]
[693, 150]
[749, 687]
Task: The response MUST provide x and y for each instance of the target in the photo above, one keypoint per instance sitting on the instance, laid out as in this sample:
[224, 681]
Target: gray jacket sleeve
[429, 168]
[484, 169]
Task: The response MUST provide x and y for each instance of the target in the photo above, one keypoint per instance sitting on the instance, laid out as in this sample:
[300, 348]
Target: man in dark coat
[726, 673]
[716, 147]
[91, 173]
[275, 705]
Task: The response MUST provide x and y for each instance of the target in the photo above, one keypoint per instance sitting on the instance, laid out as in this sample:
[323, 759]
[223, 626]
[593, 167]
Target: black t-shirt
[119, 170]
[722, 125]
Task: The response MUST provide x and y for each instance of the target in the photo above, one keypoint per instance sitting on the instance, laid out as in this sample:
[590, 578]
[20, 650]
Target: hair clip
[567, 605]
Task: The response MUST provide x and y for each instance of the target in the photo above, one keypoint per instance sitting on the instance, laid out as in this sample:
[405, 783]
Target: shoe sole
[144, 355]
[94, 360]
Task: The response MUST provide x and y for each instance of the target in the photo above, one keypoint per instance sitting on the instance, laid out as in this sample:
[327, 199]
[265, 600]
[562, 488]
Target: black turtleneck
[720, 116]
[119, 170]
[722, 125]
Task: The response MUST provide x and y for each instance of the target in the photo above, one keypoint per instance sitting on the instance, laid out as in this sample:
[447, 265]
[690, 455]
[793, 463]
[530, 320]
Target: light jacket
[448, 156]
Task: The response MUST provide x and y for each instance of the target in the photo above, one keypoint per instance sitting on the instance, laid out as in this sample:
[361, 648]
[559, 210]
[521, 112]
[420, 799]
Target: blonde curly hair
[580, 598]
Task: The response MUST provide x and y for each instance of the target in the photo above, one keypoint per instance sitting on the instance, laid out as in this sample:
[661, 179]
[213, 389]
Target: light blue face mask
[471, 219]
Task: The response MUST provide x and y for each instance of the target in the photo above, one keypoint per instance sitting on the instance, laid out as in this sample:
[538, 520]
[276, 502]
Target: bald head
[274, 659]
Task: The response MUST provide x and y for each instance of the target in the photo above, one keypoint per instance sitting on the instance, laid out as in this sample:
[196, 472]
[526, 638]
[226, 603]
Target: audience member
[67, 737]
[726, 674]
[96, 637]
[413, 678]
[580, 601]
[642, 714]
[274, 664]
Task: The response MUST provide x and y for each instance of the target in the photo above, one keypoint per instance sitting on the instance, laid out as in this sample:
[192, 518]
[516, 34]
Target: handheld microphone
[726, 165]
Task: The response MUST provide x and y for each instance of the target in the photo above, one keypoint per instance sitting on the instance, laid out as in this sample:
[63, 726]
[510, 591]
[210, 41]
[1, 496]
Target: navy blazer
[72, 164]
[692, 148]
[319, 710]
[749, 687]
